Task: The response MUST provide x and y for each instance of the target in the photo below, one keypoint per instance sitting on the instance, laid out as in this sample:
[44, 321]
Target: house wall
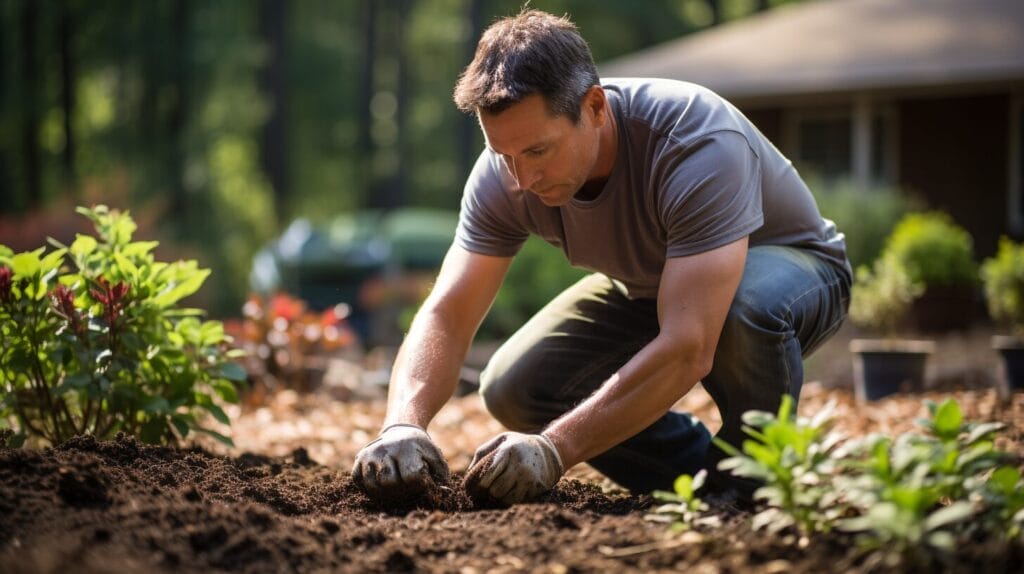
[953, 152]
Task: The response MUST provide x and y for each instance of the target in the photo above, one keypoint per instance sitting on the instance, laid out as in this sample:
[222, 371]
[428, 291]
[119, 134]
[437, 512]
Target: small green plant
[93, 341]
[882, 295]
[907, 501]
[1003, 280]
[1002, 496]
[911, 493]
[793, 457]
[683, 509]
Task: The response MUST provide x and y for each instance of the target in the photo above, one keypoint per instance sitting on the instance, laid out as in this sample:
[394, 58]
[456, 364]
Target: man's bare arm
[427, 367]
[693, 300]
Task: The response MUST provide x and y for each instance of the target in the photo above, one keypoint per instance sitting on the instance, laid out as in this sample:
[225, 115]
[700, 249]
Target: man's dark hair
[532, 53]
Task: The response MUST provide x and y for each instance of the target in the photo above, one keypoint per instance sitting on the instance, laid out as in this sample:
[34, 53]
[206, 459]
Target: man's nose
[524, 175]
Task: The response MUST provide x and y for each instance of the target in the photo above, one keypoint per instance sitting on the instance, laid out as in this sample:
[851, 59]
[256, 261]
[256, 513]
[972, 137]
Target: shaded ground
[121, 507]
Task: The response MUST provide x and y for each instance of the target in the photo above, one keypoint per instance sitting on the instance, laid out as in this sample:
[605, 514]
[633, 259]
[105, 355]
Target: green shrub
[1003, 279]
[935, 251]
[865, 216]
[882, 294]
[93, 340]
[537, 275]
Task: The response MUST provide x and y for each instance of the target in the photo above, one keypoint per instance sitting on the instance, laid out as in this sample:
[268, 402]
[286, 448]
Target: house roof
[829, 46]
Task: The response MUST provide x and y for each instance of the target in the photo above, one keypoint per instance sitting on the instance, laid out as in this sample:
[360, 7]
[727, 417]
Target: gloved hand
[514, 467]
[402, 462]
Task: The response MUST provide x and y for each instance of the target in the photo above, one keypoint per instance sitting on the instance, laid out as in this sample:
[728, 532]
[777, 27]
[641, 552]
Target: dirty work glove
[401, 463]
[514, 467]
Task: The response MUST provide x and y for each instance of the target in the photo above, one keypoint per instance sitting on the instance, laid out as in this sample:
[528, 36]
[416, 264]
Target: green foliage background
[169, 107]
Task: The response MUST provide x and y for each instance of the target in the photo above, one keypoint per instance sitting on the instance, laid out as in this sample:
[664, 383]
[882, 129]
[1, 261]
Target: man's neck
[609, 145]
[607, 151]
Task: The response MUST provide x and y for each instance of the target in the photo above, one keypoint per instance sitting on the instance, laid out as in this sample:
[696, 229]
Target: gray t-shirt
[692, 174]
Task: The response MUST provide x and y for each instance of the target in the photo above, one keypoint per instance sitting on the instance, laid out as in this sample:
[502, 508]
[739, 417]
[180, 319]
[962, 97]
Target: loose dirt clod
[471, 484]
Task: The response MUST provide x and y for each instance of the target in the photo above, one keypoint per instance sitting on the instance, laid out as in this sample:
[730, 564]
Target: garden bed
[121, 506]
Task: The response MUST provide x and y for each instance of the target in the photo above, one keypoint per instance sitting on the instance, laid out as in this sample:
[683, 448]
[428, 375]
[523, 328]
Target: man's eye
[537, 152]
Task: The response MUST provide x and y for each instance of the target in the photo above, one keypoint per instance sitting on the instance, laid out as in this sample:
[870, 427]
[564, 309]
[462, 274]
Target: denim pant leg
[563, 354]
[788, 303]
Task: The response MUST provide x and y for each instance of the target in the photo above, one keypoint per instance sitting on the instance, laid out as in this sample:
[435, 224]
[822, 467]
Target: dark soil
[119, 506]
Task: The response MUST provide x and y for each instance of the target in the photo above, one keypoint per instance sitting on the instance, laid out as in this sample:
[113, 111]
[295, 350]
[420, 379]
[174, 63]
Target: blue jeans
[788, 302]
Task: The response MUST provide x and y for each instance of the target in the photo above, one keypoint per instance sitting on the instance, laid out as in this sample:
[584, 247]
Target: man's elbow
[693, 355]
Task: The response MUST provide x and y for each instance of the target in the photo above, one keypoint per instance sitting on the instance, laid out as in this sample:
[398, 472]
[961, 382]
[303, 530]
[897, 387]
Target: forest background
[219, 123]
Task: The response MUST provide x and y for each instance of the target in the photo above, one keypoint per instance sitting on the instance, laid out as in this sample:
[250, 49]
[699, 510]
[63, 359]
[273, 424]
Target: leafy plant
[286, 343]
[793, 457]
[902, 498]
[911, 491]
[683, 509]
[1002, 495]
[882, 295]
[1003, 280]
[93, 340]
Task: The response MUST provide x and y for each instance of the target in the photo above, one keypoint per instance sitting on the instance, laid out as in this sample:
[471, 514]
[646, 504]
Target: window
[825, 146]
[856, 142]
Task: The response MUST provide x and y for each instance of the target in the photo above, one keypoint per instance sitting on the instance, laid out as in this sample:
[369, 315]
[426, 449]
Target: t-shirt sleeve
[488, 221]
[711, 193]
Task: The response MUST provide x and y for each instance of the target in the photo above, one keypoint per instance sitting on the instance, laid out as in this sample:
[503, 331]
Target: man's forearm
[426, 369]
[628, 402]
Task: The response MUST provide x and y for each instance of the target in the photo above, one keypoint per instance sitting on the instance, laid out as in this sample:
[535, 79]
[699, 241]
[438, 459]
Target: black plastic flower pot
[882, 367]
[1011, 349]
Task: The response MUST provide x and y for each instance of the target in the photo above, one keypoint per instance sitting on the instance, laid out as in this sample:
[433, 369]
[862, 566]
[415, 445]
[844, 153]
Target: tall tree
[468, 125]
[273, 139]
[30, 97]
[180, 52]
[367, 79]
[396, 194]
[68, 78]
[716, 11]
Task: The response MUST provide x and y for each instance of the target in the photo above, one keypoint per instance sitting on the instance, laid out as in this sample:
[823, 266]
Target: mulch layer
[120, 506]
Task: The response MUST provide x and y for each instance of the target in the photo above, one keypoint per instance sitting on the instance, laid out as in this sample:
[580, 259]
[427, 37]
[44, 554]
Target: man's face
[548, 156]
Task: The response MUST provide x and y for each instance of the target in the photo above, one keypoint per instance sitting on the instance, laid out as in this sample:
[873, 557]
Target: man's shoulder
[683, 113]
[640, 93]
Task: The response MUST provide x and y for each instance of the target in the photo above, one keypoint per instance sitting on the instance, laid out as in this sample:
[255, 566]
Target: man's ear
[595, 104]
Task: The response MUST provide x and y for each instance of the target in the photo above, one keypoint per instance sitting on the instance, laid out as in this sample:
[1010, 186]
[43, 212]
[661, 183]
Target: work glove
[402, 462]
[514, 467]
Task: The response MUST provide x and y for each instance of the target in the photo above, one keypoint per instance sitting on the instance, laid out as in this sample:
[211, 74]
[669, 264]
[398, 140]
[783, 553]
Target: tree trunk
[273, 78]
[716, 12]
[67, 68]
[30, 108]
[180, 50]
[366, 89]
[468, 126]
[396, 196]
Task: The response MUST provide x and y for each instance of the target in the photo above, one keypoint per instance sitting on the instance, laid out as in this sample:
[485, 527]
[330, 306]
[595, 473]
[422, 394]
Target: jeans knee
[749, 323]
[506, 401]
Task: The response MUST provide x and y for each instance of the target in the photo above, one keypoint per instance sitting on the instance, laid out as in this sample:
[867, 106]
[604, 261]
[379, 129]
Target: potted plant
[938, 255]
[1003, 280]
[881, 298]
